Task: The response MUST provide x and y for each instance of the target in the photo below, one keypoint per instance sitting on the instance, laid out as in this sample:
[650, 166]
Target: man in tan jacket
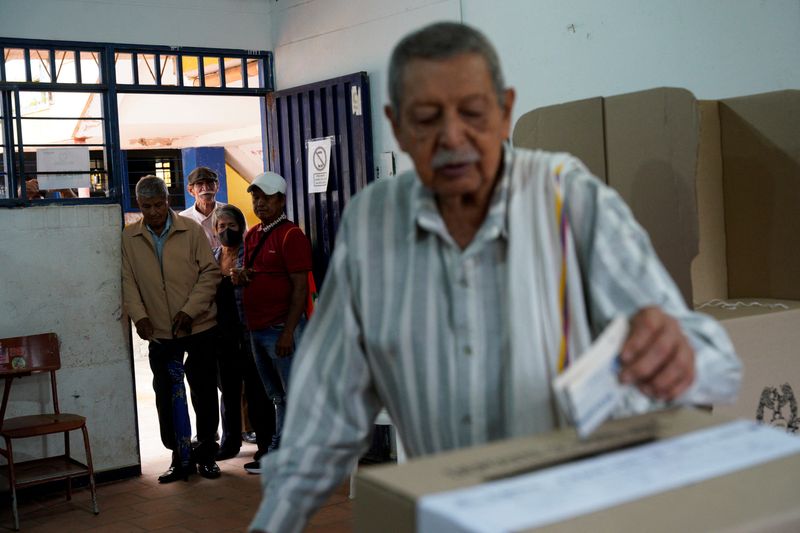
[169, 281]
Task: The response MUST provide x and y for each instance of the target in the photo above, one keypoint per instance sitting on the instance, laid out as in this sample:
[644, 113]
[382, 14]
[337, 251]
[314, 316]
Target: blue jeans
[274, 370]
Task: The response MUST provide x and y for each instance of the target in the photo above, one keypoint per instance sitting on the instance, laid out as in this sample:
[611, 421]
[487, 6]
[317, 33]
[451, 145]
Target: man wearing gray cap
[203, 184]
[277, 260]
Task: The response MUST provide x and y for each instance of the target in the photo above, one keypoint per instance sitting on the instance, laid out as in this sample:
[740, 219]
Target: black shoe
[174, 473]
[253, 467]
[227, 453]
[209, 470]
[249, 437]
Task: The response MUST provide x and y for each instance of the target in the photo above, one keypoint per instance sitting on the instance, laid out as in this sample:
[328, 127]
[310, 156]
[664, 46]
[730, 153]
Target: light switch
[386, 165]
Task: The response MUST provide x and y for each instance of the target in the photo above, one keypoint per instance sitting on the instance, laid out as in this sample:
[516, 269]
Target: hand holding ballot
[650, 353]
[657, 357]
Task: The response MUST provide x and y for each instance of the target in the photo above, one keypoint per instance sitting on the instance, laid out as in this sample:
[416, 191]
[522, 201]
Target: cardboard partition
[710, 268]
[760, 138]
[715, 183]
[760, 498]
[766, 335]
[575, 127]
[642, 144]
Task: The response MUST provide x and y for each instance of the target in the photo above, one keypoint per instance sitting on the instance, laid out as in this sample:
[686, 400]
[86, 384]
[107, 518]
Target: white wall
[242, 24]
[555, 50]
[316, 40]
[61, 274]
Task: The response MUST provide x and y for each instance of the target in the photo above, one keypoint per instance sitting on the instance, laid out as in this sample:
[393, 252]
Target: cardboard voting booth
[448, 492]
[716, 183]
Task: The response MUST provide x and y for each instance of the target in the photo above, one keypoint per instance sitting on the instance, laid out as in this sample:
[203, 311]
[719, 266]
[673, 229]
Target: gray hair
[151, 187]
[228, 210]
[442, 40]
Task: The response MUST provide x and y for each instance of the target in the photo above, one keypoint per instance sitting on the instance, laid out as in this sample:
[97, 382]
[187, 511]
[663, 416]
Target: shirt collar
[426, 214]
[201, 215]
[166, 229]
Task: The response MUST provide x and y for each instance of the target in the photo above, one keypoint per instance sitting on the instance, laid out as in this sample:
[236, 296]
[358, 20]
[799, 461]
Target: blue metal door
[337, 108]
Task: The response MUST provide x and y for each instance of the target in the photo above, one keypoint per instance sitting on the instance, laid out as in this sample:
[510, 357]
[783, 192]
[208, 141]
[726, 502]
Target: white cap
[269, 183]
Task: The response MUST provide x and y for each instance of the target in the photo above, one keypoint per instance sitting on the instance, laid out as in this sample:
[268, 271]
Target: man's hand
[285, 345]
[181, 322]
[144, 328]
[240, 276]
[657, 357]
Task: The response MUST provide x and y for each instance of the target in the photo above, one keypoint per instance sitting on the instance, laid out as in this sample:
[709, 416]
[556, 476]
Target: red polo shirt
[286, 250]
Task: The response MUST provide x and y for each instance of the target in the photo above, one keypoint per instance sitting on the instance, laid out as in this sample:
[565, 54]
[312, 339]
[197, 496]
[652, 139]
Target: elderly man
[277, 260]
[169, 282]
[457, 291]
[203, 184]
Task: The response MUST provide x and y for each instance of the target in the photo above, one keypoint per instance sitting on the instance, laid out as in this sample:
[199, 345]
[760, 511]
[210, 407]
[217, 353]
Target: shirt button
[467, 350]
[463, 282]
[466, 419]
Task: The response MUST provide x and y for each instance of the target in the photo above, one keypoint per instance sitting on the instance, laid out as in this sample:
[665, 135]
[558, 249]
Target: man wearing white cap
[277, 259]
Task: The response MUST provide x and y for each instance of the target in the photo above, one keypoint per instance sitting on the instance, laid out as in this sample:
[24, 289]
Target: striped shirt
[408, 320]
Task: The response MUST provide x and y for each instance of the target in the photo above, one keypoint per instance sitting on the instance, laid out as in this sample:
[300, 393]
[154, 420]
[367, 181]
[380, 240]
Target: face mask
[230, 237]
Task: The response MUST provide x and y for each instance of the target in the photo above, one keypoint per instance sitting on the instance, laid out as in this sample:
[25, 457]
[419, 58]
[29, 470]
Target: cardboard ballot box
[766, 334]
[764, 497]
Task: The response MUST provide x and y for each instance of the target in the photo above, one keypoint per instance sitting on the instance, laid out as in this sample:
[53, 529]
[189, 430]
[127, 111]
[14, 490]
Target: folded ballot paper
[589, 389]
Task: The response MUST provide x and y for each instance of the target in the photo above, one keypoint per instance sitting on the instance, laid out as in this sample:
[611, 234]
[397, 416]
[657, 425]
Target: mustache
[464, 156]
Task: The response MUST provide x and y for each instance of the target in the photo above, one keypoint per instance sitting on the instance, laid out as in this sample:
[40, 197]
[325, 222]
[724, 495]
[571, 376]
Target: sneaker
[253, 467]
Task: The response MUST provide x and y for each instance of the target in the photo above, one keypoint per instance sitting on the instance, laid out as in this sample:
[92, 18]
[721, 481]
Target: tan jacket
[189, 281]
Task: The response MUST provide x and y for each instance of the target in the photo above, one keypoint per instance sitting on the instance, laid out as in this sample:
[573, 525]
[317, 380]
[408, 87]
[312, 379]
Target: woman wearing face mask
[235, 360]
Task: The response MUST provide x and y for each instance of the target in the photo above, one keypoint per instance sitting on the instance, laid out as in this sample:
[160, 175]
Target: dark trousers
[237, 368]
[168, 366]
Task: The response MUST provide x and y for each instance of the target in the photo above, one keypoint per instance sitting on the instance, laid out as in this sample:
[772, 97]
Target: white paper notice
[71, 163]
[538, 499]
[319, 164]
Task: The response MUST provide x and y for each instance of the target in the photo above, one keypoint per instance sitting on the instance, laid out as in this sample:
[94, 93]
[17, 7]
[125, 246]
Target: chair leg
[89, 464]
[353, 473]
[12, 482]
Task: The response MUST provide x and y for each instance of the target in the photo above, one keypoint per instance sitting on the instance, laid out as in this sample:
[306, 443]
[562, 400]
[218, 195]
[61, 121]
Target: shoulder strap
[250, 258]
[283, 243]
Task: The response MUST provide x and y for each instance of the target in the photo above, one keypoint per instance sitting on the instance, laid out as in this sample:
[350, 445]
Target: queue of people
[186, 280]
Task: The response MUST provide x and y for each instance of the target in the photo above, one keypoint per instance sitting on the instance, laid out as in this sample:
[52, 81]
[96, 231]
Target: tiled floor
[142, 504]
[222, 505]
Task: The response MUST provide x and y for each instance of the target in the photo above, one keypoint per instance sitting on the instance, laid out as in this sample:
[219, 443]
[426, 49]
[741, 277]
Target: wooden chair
[21, 357]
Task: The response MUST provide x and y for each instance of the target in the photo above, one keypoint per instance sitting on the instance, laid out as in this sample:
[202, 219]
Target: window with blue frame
[59, 114]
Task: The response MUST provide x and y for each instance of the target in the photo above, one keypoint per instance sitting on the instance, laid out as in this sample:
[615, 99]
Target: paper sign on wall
[319, 164]
[71, 163]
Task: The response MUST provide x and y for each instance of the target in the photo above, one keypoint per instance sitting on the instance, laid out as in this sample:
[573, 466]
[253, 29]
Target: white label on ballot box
[572, 489]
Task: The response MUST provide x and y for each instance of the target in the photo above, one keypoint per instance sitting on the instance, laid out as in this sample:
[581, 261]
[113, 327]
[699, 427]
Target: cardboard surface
[716, 184]
[761, 160]
[753, 499]
[574, 127]
[766, 336]
[709, 267]
[642, 144]
[651, 156]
